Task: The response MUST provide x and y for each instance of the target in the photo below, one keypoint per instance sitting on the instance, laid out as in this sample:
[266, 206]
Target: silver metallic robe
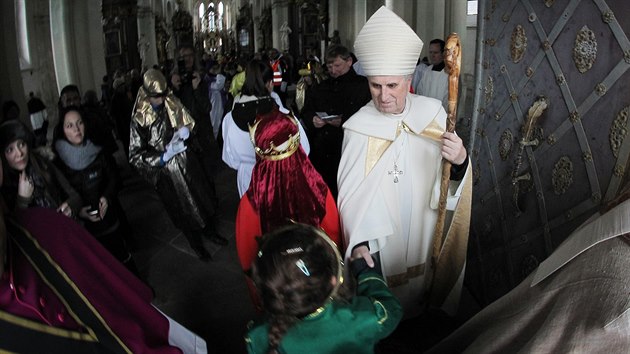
[181, 183]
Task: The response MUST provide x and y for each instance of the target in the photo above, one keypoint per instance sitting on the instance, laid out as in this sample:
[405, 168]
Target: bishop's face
[389, 92]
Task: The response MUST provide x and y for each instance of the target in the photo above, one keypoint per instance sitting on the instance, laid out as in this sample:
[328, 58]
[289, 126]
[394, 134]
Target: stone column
[402, 8]
[333, 15]
[256, 11]
[60, 29]
[146, 28]
[279, 15]
[456, 20]
[11, 86]
[360, 19]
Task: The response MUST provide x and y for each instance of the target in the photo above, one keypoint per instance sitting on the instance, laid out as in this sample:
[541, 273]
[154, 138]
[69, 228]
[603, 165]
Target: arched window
[22, 34]
[202, 11]
[211, 17]
[220, 21]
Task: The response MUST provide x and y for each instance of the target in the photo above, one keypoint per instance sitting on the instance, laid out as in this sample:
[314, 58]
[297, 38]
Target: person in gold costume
[165, 151]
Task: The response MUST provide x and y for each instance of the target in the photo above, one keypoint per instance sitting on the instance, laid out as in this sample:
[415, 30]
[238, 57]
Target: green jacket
[339, 327]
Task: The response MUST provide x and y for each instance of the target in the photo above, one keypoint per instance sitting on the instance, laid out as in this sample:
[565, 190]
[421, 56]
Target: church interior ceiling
[551, 142]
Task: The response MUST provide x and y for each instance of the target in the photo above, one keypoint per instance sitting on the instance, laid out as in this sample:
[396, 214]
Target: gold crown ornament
[276, 152]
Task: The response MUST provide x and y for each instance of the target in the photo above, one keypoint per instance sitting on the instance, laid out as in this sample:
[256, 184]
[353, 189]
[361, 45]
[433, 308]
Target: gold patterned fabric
[452, 256]
[403, 278]
[376, 148]
[154, 85]
[433, 131]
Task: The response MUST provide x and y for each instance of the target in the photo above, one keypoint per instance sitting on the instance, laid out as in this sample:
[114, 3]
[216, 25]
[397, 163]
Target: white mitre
[387, 46]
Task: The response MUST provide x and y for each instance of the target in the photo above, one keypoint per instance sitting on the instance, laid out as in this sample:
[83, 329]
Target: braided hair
[294, 274]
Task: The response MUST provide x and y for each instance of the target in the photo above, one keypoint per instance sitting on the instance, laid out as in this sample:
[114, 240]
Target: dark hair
[10, 131]
[185, 46]
[7, 106]
[58, 132]
[335, 51]
[67, 89]
[36, 168]
[293, 274]
[438, 41]
[90, 98]
[257, 74]
[13, 130]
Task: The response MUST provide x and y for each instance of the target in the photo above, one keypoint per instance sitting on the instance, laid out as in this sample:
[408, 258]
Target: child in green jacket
[298, 273]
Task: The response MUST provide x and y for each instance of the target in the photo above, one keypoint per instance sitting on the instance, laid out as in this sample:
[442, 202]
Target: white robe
[216, 100]
[433, 84]
[238, 151]
[398, 219]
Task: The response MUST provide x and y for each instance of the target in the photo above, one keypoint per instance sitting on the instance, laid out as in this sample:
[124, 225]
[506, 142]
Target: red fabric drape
[285, 189]
[117, 296]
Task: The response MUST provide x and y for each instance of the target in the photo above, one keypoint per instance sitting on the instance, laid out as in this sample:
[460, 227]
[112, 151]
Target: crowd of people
[293, 226]
[335, 228]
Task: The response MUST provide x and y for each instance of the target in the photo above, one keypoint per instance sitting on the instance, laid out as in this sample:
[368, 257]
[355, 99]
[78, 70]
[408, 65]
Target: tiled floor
[210, 298]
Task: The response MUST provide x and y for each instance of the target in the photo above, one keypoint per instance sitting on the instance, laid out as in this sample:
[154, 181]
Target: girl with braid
[299, 275]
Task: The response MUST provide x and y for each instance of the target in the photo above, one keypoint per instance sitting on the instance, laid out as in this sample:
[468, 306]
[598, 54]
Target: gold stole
[377, 146]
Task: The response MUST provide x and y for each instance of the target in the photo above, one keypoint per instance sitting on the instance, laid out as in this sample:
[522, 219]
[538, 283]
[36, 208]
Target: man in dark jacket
[189, 85]
[327, 106]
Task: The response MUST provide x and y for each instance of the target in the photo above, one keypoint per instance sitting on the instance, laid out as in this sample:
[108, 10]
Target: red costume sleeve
[330, 222]
[247, 229]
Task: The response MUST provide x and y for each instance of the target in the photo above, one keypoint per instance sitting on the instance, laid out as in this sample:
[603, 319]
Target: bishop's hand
[453, 149]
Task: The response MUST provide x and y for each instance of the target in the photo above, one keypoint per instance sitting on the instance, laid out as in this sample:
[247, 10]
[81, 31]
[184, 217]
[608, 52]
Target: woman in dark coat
[29, 180]
[93, 174]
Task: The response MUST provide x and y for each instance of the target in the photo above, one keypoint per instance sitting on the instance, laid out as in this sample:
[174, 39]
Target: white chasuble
[388, 190]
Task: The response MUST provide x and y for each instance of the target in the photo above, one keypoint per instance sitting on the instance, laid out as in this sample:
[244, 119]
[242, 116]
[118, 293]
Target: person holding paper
[327, 106]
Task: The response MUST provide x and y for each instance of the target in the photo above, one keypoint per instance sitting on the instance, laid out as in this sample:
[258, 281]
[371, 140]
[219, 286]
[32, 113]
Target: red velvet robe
[63, 292]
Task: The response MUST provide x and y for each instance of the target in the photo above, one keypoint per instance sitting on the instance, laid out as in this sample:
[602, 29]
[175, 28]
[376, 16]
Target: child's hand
[363, 252]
